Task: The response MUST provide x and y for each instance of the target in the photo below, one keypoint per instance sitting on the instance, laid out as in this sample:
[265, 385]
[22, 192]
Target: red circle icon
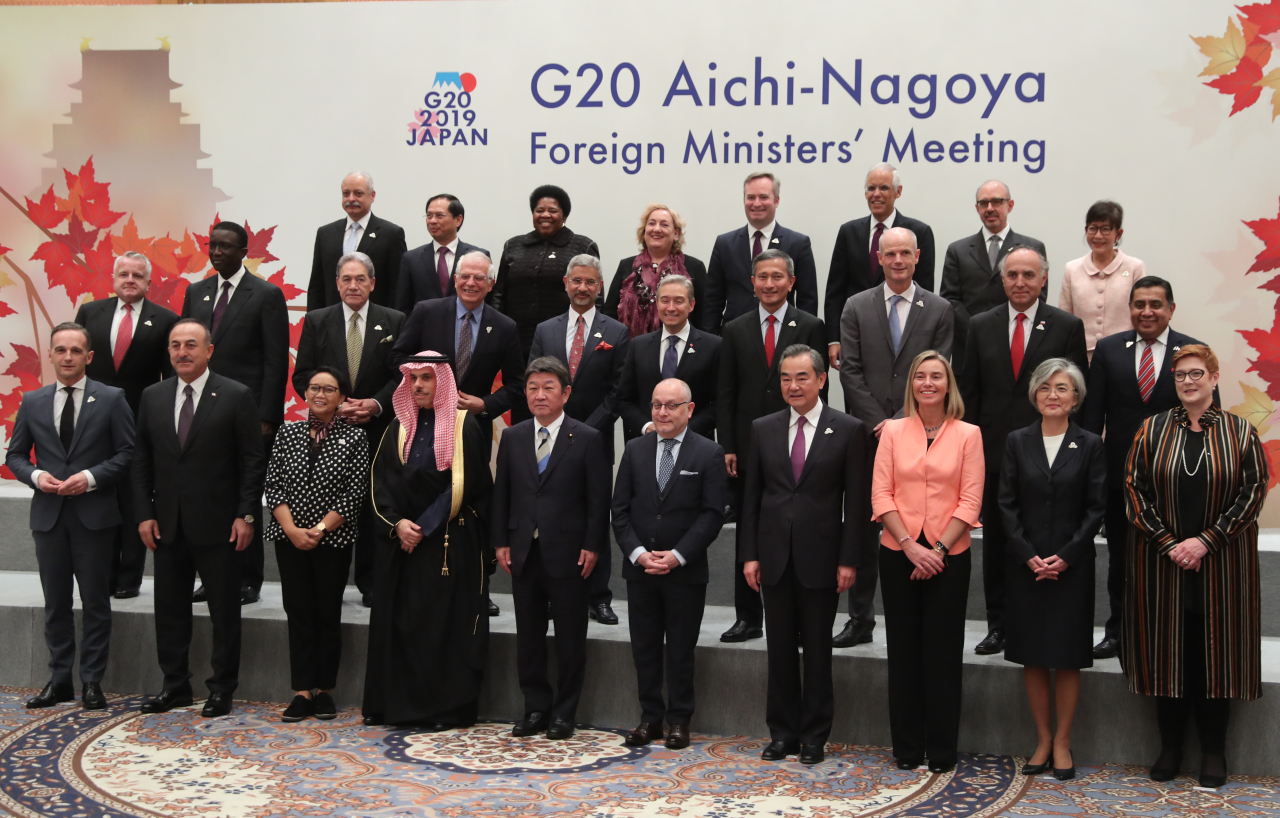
[468, 82]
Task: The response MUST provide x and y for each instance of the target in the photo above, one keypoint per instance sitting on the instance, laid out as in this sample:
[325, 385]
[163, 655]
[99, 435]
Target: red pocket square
[603, 345]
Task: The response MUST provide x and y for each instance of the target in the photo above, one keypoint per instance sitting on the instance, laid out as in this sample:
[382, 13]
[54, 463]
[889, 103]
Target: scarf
[321, 428]
[445, 404]
[637, 306]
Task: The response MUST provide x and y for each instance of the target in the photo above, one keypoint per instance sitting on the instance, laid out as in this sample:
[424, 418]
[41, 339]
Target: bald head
[672, 407]
[899, 256]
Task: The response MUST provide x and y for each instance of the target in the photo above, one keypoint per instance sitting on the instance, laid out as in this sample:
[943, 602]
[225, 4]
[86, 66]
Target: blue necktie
[666, 465]
[895, 328]
[671, 358]
[544, 448]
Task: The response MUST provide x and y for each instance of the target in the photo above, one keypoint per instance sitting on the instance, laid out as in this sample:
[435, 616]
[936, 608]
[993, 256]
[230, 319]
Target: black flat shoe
[939, 767]
[779, 750]
[53, 693]
[602, 613]
[908, 763]
[216, 706]
[1107, 648]
[992, 644]
[1213, 771]
[166, 701]
[493, 609]
[645, 733]
[741, 632]
[559, 729]
[200, 594]
[531, 725]
[854, 633]
[297, 710]
[91, 698]
[811, 754]
[248, 595]
[125, 593]
[371, 721]
[322, 707]
[1167, 765]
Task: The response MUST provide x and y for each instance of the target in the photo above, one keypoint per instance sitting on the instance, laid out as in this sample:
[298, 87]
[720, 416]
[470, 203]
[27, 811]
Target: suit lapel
[166, 418]
[42, 410]
[788, 329]
[862, 244]
[881, 311]
[564, 439]
[1165, 375]
[207, 398]
[978, 249]
[757, 343]
[1066, 452]
[682, 459]
[87, 412]
[374, 332]
[782, 431]
[1038, 453]
[99, 323]
[652, 453]
[1036, 330]
[239, 298]
[484, 330]
[819, 443]
[142, 330]
[914, 316]
[369, 236]
[690, 350]
[589, 341]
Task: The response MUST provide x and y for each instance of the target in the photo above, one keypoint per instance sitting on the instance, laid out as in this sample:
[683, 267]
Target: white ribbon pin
[598, 335]
[1128, 344]
[1040, 325]
[373, 235]
[689, 350]
[206, 298]
[775, 241]
[920, 303]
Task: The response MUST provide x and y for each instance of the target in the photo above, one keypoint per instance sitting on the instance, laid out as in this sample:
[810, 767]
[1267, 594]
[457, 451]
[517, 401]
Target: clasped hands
[1050, 568]
[1188, 554]
[658, 562]
[928, 563]
[357, 410]
[75, 484]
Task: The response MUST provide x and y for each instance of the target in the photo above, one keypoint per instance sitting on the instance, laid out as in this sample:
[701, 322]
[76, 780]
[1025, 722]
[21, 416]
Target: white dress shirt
[1052, 445]
[767, 230]
[60, 403]
[888, 224]
[1158, 348]
[683, 335]
[657, 471]
[1030, 324]
[235, 284]
[904, 306]
[450, 252]
[198, 386]
[118, 316]
[588, 318]
[764, 321]
[810, 428]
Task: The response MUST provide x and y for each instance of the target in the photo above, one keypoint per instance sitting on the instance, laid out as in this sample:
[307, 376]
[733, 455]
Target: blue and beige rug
[65, 761]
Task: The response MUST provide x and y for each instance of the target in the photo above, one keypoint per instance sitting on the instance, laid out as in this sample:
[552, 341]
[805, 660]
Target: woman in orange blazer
[927, 493]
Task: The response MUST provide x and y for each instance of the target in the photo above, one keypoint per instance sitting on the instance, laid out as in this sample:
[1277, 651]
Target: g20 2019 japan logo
[448, 115]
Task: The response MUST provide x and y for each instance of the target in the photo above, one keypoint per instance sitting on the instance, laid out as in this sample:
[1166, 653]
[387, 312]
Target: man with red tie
[427, 271]
[1007, 343]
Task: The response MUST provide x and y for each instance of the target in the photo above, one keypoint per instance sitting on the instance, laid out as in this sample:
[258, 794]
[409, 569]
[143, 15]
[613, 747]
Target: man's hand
[833, 355]
[75, 484]
[652, 564]
[49, 484]
[845, 575]
[648, 427]
[409, 533]
[731, 464]
[356, 410]
[751, 571]
[587, 559]
[266, 428]
[666, 559]
[149, 531]
[470, 403]
[504, 558]
[241, 533]
[880, 427]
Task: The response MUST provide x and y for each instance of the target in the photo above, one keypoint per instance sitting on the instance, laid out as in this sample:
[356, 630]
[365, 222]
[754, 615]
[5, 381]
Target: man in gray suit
[82, 432]
[970, 275]
[881, 331]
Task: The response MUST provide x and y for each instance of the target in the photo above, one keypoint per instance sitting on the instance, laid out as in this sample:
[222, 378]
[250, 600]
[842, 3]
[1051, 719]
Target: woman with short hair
[1096, 286]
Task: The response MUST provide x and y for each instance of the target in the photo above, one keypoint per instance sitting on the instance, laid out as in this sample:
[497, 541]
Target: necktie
[895, 327]
[353, 238]
[544, 448]
[1146, 372]
[755, 248]
[464, 346]
[354, 347]
[575, 353]
[876, 271]
[671, 358]
[442, 271]
[123, 336]
[993, 251]
[67, 423]
[221, 306]
[1019, 345]
[769, 341]
[666, 465]
[185, 414]
[797, 450]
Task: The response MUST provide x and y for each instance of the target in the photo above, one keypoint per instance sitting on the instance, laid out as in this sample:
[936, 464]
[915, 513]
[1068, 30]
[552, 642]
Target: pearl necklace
[1196, 470]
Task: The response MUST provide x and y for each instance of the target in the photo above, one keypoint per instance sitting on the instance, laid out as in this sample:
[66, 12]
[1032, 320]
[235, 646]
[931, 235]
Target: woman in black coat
[634, 291]
[1052, 496]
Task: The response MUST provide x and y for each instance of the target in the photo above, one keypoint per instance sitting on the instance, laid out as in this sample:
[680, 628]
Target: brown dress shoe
[644, 734]
[678, 737]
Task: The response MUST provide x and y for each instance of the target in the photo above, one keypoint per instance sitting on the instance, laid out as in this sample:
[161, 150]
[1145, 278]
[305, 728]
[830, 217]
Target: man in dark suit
[1009, 342]
[970, 271]
[427, 271]
[377, 238]
[355, 337]
[82, 432]
[748, 388]
[198, 471]
[249, 322]
[133, 335]
[729, 292]
[1130, 380]
[593, 347]
[882, 330]
[549, 522]
[855, 261]
[678, 350]
[808, 498]
[668, 508]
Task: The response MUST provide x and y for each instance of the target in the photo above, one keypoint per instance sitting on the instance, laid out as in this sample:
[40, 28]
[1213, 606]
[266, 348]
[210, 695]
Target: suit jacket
[568, 504]
[972, 285]
[817, 523]
[729, 290]
[147, 360]
[102, 444]
[251, 344]
[698, 367]
[685, 516]
[748, 388]
[418, 280]
[594, 399]
[697, 274]
[381, 241]
[198, 490]
[873, 377]
[851, 265]
[1113, 403]
[995, 400]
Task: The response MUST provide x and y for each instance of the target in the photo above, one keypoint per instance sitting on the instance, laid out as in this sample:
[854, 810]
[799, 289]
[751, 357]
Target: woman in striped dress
[1195, 484]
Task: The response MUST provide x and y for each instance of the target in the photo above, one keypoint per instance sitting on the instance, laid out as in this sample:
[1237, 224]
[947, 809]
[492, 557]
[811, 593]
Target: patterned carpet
[65, 761]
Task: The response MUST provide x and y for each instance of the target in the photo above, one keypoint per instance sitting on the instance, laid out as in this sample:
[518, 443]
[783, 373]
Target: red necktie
[575, 354]
[876, 273]
[755, 248]
[123, 336]
[442, 270]
[1146, 373]
[1019, 345]
[797, 450]
[769, 341]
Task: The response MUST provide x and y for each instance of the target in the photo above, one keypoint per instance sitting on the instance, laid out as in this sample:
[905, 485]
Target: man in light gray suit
[881, 331]
[82, 432]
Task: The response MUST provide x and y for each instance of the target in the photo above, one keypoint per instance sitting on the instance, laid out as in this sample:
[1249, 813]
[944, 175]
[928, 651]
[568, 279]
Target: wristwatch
[248, 518]
[940, 548]
[320, 526]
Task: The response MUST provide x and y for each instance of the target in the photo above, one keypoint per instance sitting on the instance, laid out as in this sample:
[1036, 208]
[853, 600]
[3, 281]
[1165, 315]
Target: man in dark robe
[429, 627]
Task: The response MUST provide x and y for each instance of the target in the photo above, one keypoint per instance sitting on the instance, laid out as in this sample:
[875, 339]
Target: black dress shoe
[1167, 765]
[322, 707]
[811, 754]
[216, 706]
[297, 710]
[91, 697]
[778, 750]
[559, 729]
[1213, 771]
[53, 693]
[678, 737]
[200, 594]
[854, 633]
[126, 593]
[1107, 648]
[248, 595]
[993, 643]
[939, 767]
[643, 734]
[366, 600]
[166, 701]
[371, 721]
[741, 632]
[531, 725]
[493, 609]
[908, 763]
[602, 613]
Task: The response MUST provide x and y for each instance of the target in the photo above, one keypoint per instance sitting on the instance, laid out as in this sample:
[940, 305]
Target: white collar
[137, 305]
[553, 427]
[435, 245]
[780, 314]
[987, 234]
[197, 385]
[347, 312]
[888, 221]
[1162, 339]
[1030, 312]
[767, 230]
[813, 415]
[235, 279]
[909, 293]
[683, 334]
[364, 224]
[678, 438]
[80, 384]
[588, 317]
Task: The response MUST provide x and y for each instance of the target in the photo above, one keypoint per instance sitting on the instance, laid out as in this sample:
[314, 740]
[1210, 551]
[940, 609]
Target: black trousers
[365, 547]
[1117, 536]
[129, 557]
[312, 583]
[251, 559]
[218, 565]
[532, 590]
[993, 553]
[598, 591]
[1211, 714]
[70, 552]
[924, 630]
[747, 604]
[862, 596]
[665, 619]
[797, 617]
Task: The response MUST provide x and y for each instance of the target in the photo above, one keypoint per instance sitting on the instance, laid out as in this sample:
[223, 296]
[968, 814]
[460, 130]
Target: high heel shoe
[1067, 773]
[1036, 769]
[1167, 765]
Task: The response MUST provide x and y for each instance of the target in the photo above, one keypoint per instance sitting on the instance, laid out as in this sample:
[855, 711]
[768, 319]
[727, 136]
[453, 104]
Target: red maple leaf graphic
[6, 310]
[26, 368]
[45, 213]
[290, 291]
[1266, 16]
[1268, 230]
[98, 213]
[1241, 84]
[1267, 344]
[258, 241]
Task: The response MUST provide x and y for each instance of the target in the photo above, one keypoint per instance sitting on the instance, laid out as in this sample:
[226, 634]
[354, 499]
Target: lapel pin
[1175, 349]
[792, 324]
[344, 442]
[1126, 273]
[689, 350]
[775, 241]
[829, 431]
[146, 323]
[598, 335]
[378, 327]
[553, 255]
[213, 394]
[1040, 325]
[206, 298]
[1072, 445]
[920, 303]
[92, 399]
[1128, 344]
[488, 329]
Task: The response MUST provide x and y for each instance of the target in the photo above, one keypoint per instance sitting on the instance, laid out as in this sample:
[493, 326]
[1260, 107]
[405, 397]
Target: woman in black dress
[633, 294]
[1052, 496]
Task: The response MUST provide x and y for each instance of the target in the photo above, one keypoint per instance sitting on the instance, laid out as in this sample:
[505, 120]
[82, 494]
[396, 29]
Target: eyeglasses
[985, 203]
[670, 407]
[578, 282]
[317, 389]
[1096, 230]
[465, 277]
[1045, 389]
[1193, 374]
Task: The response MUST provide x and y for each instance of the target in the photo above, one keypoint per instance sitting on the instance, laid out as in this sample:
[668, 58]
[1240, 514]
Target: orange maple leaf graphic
[1224, 52]
[1272, 81]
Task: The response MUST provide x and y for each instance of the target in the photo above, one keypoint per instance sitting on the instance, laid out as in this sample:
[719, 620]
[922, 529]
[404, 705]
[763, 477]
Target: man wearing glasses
[427, 271]
[1130, 381]
[970, 276]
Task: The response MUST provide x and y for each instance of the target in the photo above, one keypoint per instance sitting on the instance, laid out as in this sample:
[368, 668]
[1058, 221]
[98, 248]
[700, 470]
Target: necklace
[930, 429]
[1196, 470]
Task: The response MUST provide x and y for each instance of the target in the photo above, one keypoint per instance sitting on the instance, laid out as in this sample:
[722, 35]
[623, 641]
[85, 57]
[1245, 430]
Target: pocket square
[603, 345]
[829, 431]
[684, 473]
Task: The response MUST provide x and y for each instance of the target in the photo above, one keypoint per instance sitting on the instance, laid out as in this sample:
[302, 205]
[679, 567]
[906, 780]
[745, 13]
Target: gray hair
[764, 174]
[1052, 366]
[897, 180]
[769, 255]
[818, 360]
[684, 387]
[585, 260]
[489, 270]
[355, 255]
[676, 278]
[1008, 194]
[367, 178]
[1044, 262]
[132, 255]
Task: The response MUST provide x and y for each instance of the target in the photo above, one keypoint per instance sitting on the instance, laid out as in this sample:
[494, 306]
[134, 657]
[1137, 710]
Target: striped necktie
[1146, 372]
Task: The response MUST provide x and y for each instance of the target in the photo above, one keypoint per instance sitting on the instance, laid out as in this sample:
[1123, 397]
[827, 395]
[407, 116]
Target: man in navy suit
[549, 521]
[593, 347]
[855, 261]
[82, 432]
[729, 292]
[360, 231]
[668, 508]
[1123, 392]
[427, 271]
